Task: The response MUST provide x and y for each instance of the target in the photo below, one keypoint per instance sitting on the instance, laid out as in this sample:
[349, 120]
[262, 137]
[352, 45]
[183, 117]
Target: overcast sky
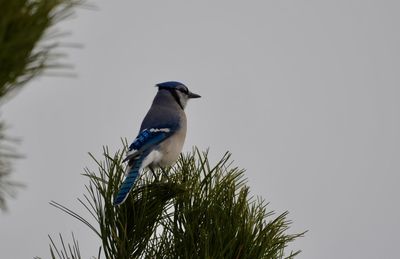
[305, 94]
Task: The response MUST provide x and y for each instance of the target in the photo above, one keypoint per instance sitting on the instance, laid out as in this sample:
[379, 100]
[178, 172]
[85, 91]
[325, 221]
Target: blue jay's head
[179, 91]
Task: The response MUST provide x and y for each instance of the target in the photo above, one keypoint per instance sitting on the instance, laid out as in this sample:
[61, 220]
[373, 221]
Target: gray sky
[305, 94]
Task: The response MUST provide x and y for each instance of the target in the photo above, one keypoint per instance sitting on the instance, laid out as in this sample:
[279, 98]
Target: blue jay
[161, 134]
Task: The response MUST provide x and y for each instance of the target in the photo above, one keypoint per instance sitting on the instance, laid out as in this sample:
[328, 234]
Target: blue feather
[169, 84]
[147, 138]
[128, 183]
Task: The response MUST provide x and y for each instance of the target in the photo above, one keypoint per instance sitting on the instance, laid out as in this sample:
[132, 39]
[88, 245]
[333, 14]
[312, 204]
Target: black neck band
[175, 95]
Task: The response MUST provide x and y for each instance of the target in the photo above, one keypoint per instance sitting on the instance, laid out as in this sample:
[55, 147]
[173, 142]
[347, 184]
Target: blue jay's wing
[147, 138]
[130, 179]
[138, 151]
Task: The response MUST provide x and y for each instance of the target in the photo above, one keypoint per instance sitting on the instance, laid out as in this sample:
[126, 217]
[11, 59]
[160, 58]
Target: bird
[161, 135]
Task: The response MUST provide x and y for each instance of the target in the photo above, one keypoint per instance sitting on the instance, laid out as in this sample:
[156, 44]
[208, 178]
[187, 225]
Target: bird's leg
[164, 173]
[152, 171]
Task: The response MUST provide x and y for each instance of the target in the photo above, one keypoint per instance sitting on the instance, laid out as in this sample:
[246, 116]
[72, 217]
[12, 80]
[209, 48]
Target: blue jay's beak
[193, 95]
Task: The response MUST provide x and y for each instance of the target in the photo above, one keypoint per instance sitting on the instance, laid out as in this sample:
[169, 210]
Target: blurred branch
[28, 47]
[27, 44]
[7, 154]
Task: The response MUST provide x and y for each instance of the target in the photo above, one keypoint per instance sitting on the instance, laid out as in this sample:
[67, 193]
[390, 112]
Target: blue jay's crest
[173, 85]
[169, 84]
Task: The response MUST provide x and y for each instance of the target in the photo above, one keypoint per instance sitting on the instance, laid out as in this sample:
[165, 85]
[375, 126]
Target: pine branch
[190, 210]
[7, 154]
[66, 251]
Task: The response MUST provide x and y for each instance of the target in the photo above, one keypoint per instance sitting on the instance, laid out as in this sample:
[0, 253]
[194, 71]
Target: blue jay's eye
[183, 89]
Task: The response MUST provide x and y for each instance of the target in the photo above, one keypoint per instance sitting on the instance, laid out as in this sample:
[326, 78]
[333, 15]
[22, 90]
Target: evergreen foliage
[27, 48]
[190, 210]
[26, 45]
[7, 152]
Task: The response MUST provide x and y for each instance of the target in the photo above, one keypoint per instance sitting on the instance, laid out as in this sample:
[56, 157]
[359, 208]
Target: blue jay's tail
[128, 183]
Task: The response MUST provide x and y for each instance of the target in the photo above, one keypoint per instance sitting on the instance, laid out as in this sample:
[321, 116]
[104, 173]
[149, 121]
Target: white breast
[172, 146]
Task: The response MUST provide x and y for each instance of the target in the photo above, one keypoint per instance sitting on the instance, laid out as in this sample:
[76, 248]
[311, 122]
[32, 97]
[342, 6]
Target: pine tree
[190, 210]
